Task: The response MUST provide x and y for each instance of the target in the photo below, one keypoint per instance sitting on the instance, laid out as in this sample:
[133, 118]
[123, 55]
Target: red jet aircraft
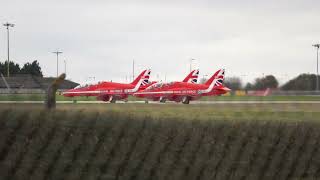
[185, 92]
[111, 91]
[192, 77]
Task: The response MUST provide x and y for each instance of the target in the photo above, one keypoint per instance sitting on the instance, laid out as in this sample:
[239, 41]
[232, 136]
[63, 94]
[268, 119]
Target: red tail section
[215, 81]
[143, 75]
[192, 77]
[219, 75]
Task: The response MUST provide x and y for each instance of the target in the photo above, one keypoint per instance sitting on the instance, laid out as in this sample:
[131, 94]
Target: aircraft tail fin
[192, 77]
[143, 78]
[217, 78]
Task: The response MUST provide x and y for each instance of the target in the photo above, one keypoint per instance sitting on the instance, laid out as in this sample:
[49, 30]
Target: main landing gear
[186, 100]
[162, 100]
[112, 99]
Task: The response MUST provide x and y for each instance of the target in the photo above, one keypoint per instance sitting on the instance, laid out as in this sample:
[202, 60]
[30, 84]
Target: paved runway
[168, 102]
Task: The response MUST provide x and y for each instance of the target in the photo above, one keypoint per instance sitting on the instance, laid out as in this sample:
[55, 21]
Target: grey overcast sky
[100, 38]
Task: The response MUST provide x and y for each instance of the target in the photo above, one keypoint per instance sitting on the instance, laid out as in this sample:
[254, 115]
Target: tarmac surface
[168, 102]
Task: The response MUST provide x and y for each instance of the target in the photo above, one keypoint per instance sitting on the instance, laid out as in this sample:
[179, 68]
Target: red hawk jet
[183, 91]
[192, 77]
[111, 91]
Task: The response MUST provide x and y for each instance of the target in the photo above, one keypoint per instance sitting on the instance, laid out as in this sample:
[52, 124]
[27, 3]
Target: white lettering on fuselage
[185, 92]
[116, 91]
[171, 92]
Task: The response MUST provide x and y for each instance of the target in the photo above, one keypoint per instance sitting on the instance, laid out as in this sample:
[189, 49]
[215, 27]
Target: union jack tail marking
[219, 78]
[146, 79]
[192, 77]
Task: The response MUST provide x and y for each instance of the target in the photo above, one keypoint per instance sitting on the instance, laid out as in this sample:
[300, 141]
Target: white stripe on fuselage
[170, 92]
[94, 92]
[209, 89]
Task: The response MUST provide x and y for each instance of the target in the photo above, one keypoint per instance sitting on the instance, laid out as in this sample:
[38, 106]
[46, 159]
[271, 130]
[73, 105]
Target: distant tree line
[28, 68]
[304, 82]
[268, 81]
[233, 83]
[263, 83]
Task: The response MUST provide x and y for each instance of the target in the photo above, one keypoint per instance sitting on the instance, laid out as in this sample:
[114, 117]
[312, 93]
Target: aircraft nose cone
[67, 93]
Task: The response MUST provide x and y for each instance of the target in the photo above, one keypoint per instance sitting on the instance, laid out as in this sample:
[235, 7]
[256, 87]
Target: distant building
[32, 83]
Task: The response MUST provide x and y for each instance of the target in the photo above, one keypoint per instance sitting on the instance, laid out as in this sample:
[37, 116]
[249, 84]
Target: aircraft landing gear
[162, 100]
[146, 102]
[112, 99]
[186, 100]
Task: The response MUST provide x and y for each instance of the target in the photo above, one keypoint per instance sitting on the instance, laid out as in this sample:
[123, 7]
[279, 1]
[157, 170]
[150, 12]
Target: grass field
[40, 97]
[193, 111]
[160, 141]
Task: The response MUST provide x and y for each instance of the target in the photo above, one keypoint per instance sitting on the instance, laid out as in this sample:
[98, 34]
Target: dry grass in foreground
[114, 144]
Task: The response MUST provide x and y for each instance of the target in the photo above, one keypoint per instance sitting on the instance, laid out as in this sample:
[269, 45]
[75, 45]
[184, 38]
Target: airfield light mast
[8, 25]
[65, 66]
[191, 64]
[133, 70]
[57, 53]
[317, 79]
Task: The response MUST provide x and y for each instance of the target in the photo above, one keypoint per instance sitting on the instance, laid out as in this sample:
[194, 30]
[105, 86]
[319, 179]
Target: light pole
[133, 70]
[191, 63]
[317, 79]
[8, 25]
[65, 67]
[204, 78]
[57, 53]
